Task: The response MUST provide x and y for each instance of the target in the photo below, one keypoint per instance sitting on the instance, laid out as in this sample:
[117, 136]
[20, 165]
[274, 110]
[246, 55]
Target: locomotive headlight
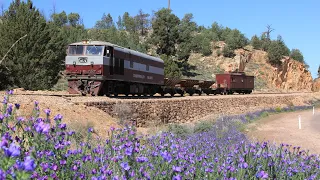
[74, 63]
[91, 63]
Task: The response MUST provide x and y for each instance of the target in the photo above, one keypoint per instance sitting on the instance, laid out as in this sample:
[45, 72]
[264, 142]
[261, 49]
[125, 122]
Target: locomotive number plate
[83, 59]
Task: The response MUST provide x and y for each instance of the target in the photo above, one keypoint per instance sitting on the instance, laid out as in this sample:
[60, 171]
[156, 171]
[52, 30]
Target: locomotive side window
[147, 67]
[131, 64]
[75, 50]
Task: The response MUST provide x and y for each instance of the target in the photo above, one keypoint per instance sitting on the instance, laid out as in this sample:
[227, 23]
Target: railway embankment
[154, 112]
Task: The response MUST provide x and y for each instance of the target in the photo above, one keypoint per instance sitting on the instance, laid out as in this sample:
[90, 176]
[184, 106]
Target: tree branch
[10, 49]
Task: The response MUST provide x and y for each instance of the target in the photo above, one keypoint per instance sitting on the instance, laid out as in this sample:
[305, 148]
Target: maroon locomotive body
[102, 68]
[229, 83]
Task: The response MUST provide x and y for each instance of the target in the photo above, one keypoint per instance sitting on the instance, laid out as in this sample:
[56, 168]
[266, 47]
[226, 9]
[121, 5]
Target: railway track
[120, 96]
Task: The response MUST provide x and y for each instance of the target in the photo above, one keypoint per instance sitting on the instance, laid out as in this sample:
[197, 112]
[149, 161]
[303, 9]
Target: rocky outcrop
[292, 76]
[155, 112]
[316, 85]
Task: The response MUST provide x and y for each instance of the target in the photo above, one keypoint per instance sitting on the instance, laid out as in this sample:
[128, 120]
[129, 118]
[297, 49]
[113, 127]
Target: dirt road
[284, 128]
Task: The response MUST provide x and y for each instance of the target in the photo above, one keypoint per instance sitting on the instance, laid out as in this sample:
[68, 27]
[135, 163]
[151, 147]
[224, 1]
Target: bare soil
[284, 128]
[75, 115]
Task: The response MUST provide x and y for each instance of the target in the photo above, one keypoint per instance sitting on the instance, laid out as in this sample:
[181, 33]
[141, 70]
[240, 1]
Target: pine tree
[255, 42]
[165, 32]
[297, 55]
[276, 50]
[319, 71]
[34, 63]
[186, 28]
[74, 19]
[106, 22]
[143, 22]
[60, 19]
[120, 23]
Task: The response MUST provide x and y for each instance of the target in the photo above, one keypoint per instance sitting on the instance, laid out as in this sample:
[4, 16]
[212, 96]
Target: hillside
[290, 76]
[188, 49]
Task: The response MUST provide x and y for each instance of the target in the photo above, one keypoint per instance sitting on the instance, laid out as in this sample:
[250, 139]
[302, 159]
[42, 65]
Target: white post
[299, 121]
[313, 110]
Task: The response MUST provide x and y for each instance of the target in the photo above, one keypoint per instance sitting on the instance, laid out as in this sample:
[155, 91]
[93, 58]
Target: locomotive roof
[103, 43]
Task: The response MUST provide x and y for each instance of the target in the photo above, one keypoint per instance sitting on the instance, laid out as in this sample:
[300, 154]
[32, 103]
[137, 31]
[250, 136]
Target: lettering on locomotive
[138, 76]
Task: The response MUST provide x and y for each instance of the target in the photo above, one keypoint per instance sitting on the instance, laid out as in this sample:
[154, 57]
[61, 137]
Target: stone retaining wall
[182, 110]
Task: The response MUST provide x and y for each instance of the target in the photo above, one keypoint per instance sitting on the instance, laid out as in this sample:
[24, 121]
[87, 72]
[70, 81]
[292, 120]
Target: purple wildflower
[47, 111]
[142, 159]
[9, 109]
[17, 105]
[1, 118]
[41, 127]
[58, 117]
[10, 92]
[90, 129]
[129, 151]
[125, 166]
[19, 119]
[262, 174]
[2, 174]
[176, 168]
[177, 177]
[29, 164]
[3, 142]
[13, 150]
[62, 126]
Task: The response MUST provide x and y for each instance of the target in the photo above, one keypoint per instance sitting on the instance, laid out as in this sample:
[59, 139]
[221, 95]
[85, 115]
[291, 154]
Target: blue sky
[296, 21]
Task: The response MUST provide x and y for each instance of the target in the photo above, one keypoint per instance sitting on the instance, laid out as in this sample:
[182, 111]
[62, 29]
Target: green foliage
[60, 19]
[235, 39]
[256, 42]
[297, 55]
[106, 22]
[228, 52]
[278, 109]
[180, 130]
[276, 50]
[203, 126]
[265, 43]
[142, 22]
[217, 31]
[201, 44]
[129, 23]
[165, 32]
[74, 19]
[171, 67]
[186, 28]
[34, 62]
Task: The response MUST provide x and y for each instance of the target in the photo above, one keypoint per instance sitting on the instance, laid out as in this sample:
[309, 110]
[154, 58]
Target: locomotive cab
[84, 67]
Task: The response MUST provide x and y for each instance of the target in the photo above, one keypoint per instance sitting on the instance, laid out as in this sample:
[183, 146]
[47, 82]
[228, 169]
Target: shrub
[228, 52]
[180, 130]
[203, 126]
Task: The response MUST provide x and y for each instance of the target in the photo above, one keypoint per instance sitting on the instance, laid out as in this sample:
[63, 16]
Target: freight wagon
[102, 68]
[229, 83]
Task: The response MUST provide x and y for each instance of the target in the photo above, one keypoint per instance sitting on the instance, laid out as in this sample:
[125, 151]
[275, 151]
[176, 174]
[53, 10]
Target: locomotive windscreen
[94, 50]
[75, 50]
[85, 50]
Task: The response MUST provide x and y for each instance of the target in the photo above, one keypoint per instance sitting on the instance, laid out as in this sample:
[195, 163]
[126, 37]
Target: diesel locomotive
[101, 68]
